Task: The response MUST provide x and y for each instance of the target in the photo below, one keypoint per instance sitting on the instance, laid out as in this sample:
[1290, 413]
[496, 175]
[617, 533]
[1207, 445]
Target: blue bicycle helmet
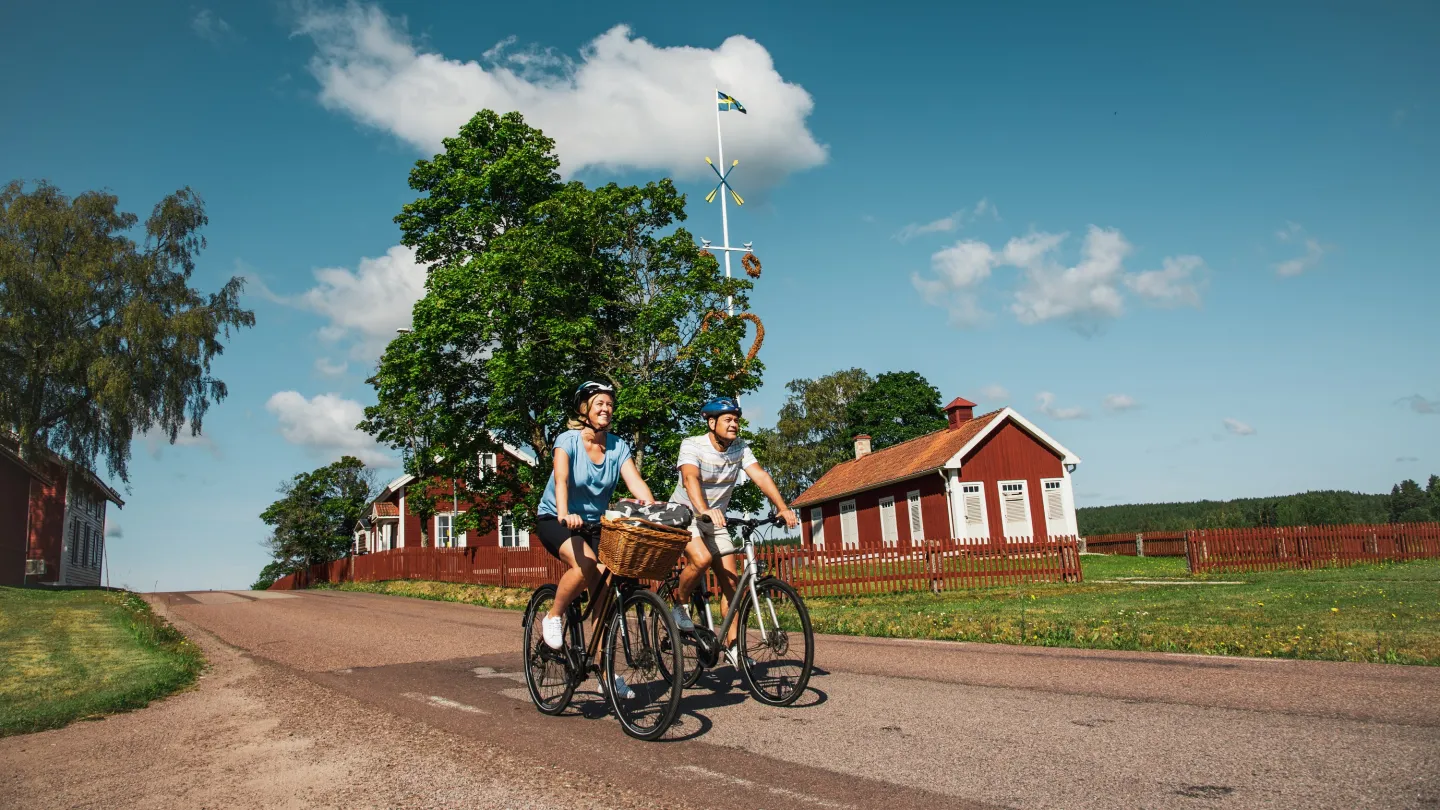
[718, 406]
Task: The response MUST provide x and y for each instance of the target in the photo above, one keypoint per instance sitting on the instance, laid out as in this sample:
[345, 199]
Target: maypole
[724, 102]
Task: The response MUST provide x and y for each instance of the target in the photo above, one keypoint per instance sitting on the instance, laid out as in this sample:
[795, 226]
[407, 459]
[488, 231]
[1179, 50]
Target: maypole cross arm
[724, 182]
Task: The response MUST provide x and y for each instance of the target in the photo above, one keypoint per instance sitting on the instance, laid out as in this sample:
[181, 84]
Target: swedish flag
[728, 102]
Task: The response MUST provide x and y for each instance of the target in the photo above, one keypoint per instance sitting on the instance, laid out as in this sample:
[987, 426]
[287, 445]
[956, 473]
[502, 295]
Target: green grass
[78, 654]
[1379, 613]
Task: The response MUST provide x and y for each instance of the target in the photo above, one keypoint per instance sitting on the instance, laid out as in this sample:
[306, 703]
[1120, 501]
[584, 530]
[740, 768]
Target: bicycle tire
[542, 673]
[771, 683]
[689, 652]
[632, 641]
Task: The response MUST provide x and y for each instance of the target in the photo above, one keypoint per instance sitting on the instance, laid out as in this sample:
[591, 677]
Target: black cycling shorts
[554, 534]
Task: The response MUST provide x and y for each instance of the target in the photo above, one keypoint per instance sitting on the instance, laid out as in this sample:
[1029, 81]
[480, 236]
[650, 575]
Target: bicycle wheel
[643, 691]
[777, 662]
[546, 675]
[688, 651]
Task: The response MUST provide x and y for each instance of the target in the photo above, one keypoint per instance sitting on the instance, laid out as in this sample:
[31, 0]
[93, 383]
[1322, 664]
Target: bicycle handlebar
[749, 523]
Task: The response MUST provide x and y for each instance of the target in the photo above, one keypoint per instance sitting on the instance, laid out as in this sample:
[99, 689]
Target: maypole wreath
[751, 265]
[717, 315]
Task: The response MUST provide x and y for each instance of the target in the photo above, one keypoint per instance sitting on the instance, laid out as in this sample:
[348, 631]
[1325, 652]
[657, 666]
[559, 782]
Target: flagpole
[724, 215]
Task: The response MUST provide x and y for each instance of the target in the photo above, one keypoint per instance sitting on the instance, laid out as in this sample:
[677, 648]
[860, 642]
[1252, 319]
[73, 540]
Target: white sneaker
[682, 618]
[732, 654]
[622, 689]
[553, 629]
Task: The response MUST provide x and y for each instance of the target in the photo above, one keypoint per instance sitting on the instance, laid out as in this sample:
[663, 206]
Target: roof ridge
[923, 436]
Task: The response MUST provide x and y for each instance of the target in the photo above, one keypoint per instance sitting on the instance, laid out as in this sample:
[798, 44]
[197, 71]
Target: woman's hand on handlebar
[571, 522]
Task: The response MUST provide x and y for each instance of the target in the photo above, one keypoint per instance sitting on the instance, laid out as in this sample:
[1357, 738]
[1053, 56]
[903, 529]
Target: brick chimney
[960, 410]
[862, 446]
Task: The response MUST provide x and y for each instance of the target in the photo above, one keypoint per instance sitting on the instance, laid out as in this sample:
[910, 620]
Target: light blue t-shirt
[591, 484]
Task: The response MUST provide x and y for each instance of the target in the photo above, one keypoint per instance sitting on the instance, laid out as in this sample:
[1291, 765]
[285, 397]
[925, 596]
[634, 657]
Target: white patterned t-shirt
[719, 472]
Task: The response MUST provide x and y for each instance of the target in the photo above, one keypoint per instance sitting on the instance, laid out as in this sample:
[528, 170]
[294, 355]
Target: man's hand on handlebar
[788, 515]
[716, 516]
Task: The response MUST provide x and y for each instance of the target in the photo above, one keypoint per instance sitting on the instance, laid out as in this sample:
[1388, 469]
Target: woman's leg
[697, 559]
[584, 572]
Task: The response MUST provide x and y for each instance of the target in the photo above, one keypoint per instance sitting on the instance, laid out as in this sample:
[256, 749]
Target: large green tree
[812, 433]
[102, 337]
[535, 285]
[1409, 503]
[314, 518]
[897, 407]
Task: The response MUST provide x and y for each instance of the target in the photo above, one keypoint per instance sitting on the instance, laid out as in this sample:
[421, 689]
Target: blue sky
[1195, 245]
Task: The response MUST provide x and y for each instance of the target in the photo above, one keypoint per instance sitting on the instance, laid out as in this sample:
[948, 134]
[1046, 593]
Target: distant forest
[1407, 503]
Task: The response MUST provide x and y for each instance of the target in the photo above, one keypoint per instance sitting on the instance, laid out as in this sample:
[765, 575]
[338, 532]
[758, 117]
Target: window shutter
[889, 533]
[849, 524]
[1017, 515]
[817, 527]
[1054, 502]
[973, 504]
[917, 522]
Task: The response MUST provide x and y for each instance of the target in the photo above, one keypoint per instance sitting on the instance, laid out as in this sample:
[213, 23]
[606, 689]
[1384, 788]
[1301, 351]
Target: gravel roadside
[252, 735]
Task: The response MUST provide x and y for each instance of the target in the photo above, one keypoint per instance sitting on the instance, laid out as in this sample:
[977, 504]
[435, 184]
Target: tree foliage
[534, 286]
[1320, 508]
[897, 407]
[102, 338]
[813, 432]
[314, 519]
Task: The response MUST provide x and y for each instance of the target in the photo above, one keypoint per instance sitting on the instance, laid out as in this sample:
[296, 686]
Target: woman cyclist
[588, 463]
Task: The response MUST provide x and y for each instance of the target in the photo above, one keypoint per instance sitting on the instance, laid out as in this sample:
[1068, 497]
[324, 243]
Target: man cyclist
[710, 468]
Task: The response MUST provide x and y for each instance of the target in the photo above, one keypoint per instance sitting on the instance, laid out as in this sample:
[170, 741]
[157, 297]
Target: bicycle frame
[744, 586]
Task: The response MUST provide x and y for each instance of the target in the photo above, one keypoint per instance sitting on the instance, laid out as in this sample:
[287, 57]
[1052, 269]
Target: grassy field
[1378, 613]
[70, 655]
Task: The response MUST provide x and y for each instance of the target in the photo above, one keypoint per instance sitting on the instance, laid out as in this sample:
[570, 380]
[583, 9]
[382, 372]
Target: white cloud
[210, 26]
[1238, 428]
[994, 392]
[1120, 402]
[368, 304]
[947, 224]
[112, 529]
[1420, 404]
[1082, 294]
[156, 442]
[326, 424]
[1047, 407]
[1172, 286]
[1313, 251]
[330, 368]
[624, 103]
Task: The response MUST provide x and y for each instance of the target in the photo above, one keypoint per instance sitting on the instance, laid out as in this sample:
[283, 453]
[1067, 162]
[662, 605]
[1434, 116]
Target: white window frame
[387, 536]
[449, 518]
[487, 464]
[889, 531]
[817, 527]
[519, 538]
[979, 530]
[915, 510]
[1060, 526]
[850, 538]
[1024, 500]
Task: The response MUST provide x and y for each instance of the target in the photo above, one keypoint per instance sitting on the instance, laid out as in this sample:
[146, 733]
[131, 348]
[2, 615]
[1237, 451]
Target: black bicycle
[631, 648]
[774, 637]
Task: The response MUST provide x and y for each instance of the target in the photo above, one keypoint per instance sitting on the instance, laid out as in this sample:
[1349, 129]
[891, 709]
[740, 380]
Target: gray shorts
[717, 538]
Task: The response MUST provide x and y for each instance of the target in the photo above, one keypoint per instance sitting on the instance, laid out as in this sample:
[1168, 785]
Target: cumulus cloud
[1047, 407]
[622, 103]
[1238, 428]
[1420, 404]
[1083, 294]
[1120, 402]
[364, 306]
[330, 368]
[156, 442]
[1294, 233]
[947, 224]
[1173, 285]
[326, 425]
[995, 392]
[210, 26]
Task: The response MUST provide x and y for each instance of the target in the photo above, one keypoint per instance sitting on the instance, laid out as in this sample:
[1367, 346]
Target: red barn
[390, 524]
[983, 477]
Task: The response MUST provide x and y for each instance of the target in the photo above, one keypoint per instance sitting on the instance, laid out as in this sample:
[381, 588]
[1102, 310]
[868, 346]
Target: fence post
[1139, 545]
[1080, 544]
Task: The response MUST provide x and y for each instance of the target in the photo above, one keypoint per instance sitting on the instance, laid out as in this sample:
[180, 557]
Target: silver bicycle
[774, 638]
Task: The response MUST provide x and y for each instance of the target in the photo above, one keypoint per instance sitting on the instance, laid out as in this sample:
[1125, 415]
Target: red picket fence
[1310, 546]
[939, 565]
[1153, 544]
[506, 567]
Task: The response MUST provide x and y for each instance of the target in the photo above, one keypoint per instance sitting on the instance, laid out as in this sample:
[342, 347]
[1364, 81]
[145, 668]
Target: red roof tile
[904, 460]
[387, 509]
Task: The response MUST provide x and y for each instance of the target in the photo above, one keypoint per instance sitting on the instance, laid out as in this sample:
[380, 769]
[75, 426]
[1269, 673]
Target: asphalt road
[896, 724]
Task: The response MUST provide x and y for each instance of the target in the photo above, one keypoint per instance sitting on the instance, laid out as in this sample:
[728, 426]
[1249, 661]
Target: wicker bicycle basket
[632, 547]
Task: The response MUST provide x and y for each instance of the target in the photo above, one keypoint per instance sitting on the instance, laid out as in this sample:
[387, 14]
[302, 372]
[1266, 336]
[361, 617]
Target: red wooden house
[981, 478]
[52, 521]
[390, 524]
